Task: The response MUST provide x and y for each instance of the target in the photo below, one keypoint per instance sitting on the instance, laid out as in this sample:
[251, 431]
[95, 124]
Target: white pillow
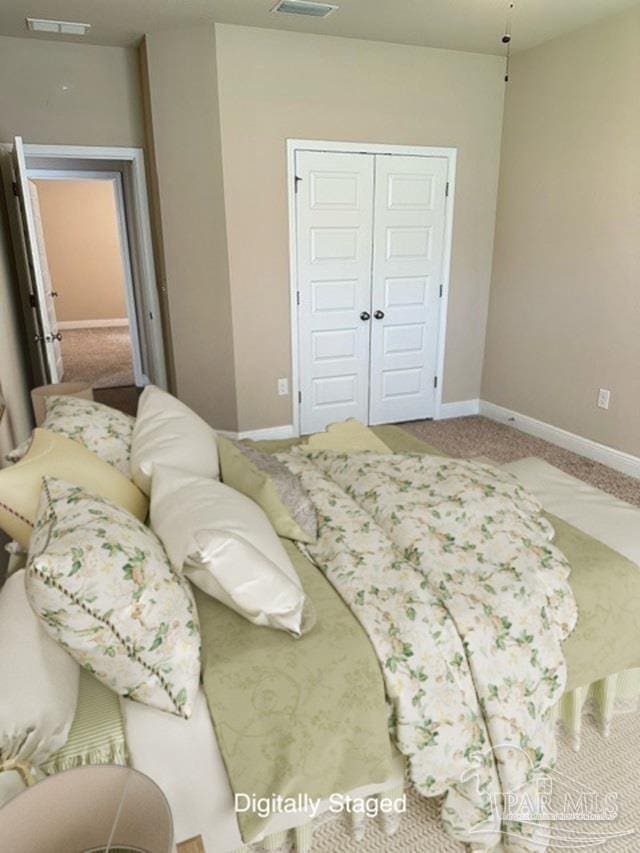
[38, 688]
[103, 587]
[169, 433]
[101, 429]
[226, 546]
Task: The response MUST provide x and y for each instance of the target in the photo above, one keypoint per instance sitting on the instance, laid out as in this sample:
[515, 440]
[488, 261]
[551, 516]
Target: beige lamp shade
[70, 389]
[100, 808]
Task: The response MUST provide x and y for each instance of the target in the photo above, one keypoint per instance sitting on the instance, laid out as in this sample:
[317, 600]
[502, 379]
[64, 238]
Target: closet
[370, 233]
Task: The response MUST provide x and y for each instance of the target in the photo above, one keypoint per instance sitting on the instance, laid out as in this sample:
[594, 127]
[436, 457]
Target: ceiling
[472, 25]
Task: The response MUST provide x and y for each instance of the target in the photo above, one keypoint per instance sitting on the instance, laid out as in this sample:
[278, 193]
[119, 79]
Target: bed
[190, 759]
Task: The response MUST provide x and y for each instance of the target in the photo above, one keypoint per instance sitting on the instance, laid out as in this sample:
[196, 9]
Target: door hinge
[297, 297]
[16, 191]
[441, 290]
[32, 300]
[299, 396]
[296, 181]
[435, 381]
[446, 190]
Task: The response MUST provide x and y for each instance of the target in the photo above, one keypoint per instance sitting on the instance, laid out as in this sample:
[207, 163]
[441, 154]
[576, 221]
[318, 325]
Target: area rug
[101, 356]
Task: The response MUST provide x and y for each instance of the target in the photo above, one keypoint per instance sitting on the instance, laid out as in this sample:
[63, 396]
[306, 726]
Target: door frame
[115, 178]
[295, 145]
[138, 219]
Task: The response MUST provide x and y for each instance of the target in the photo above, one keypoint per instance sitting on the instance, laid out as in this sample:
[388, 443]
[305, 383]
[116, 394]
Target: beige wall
[62, 93]
[275, 85]
[57, 92]
[80, 225]
[182, 94]
[564, 317]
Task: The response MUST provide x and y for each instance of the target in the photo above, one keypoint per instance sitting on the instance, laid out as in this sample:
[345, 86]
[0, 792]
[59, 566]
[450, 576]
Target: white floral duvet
[449, 567]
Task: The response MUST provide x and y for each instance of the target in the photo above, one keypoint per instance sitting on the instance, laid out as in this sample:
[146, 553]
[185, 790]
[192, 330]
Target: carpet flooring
[478, 436]
[101, 356]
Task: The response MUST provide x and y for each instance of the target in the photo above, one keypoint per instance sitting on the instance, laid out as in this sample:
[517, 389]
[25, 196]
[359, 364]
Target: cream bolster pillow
[53, 455]
[226, 546]
[38, 688]
[103, 587]
[167, 432]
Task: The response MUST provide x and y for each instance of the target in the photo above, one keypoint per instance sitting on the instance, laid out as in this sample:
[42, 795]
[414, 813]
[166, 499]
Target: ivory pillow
[38, 689]
[226, 546]
[54, 455]
[103, 587]
[167, 432]
[101, 429]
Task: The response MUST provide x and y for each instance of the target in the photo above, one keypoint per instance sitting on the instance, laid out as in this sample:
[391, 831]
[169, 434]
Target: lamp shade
[89, 809]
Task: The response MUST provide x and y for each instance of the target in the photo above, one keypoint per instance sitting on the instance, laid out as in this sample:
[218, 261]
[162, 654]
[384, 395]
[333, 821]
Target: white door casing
[50, 294]
[334, 256]
[65, 159]
[408, 253]
[41, 292]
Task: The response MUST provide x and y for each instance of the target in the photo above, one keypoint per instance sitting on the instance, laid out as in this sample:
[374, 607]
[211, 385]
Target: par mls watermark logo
[558, 810]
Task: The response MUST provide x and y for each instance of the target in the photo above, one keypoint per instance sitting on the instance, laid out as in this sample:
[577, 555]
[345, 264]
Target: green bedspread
[294, 717]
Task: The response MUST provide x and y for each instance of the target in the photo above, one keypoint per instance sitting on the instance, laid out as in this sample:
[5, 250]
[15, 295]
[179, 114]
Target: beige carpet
[101, 356]
[478, 436]
[600, 768]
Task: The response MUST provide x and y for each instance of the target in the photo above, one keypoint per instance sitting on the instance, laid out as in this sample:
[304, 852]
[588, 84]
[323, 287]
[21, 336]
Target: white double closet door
[370, 232]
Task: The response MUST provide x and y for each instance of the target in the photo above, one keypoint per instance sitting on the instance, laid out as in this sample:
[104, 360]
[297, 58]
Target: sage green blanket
[294, 717]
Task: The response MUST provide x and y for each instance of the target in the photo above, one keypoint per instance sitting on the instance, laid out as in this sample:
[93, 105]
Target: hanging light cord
[506, 38]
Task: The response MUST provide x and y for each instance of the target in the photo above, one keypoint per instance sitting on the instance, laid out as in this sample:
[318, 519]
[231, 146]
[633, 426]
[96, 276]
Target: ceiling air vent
[304, 7]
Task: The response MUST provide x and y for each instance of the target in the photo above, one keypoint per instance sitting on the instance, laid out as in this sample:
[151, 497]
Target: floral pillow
[103, 587]
[101, 429]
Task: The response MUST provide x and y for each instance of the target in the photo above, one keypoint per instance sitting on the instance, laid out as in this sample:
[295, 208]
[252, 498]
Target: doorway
[81, 231]
[86, 263]
[370, 248]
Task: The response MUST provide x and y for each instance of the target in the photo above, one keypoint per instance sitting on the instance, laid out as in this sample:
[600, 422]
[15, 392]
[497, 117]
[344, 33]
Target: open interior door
[36, 283]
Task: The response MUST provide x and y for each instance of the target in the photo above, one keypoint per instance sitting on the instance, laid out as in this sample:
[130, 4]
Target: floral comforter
[449, 566]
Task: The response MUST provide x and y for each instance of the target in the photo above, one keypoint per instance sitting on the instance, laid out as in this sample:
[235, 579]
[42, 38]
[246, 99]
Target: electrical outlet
[604, 397]
[283, 387]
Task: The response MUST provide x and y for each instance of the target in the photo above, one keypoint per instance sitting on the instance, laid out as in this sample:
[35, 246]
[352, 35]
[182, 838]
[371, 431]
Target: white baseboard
[268, 434]
[461, 409]
[92, 324]
[617, 459]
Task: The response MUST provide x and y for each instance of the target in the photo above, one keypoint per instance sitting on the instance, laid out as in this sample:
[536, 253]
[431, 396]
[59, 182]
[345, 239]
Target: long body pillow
[169, 433]
[226, 546]
[54, 455]
[101, 429]
[38, 690]
[104, 589]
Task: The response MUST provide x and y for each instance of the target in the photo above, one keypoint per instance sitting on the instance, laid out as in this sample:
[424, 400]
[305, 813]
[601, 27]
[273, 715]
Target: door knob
[379, 314]
[57, 336]
[365, 316]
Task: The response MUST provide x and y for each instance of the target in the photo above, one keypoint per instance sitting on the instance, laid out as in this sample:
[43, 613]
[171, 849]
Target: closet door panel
[334, 205]
[408, 246]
